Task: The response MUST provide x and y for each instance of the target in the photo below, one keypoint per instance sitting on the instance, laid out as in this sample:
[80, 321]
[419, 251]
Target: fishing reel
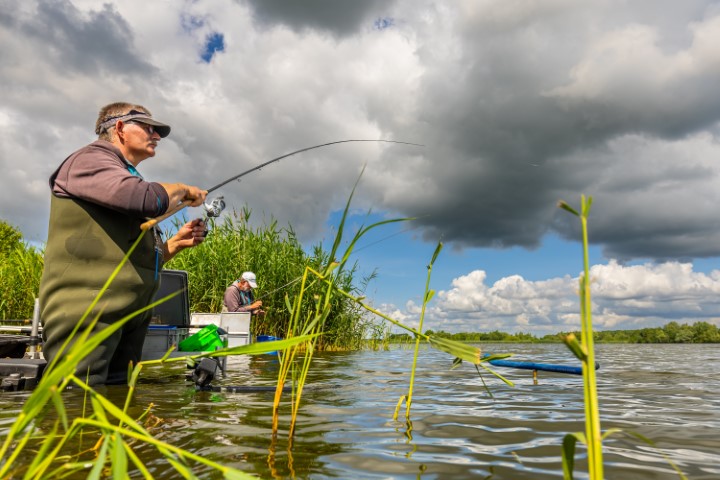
[214, 208]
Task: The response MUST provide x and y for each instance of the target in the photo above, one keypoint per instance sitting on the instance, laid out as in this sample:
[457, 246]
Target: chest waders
[86, 242]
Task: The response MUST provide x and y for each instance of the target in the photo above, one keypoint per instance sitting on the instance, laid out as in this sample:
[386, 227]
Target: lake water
[667, 393]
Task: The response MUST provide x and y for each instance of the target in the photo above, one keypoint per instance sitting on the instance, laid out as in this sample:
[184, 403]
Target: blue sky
[518, 104]
[400, 258]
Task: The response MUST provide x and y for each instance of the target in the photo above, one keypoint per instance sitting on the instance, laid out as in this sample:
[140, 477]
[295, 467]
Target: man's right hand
[195, 195]
[179, 192]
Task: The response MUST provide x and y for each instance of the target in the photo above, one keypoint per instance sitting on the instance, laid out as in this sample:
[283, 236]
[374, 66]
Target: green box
[206, 340]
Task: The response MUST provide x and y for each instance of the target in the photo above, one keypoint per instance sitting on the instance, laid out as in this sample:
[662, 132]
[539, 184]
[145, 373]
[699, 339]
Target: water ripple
[669, 394]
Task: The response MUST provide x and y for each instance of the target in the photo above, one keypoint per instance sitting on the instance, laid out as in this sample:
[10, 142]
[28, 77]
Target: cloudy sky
[518, 104]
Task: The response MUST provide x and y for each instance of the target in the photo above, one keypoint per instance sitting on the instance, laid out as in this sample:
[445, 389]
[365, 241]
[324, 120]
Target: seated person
[239, 296]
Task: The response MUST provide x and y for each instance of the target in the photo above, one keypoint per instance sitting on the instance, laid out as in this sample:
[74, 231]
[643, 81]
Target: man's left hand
[190, 235]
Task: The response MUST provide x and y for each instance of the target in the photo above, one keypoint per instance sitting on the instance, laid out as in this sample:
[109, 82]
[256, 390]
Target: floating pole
[545, 367]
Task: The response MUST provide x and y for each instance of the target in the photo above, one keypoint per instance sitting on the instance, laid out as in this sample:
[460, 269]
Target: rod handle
[154, 221]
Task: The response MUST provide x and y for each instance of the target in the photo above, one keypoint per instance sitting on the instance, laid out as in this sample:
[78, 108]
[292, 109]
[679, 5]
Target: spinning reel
[214, 208]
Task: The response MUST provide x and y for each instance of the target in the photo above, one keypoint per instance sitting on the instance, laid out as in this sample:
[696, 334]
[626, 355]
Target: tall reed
[584, 350]
[426, 299]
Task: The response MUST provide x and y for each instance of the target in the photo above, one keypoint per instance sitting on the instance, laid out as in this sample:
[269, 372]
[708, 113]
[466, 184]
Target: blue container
[268, 338]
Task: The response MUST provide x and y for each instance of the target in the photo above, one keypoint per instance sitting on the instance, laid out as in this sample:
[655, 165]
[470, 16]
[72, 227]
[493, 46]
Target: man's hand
[180, 193]
[255, 308]
[195, 195]
[190, 235]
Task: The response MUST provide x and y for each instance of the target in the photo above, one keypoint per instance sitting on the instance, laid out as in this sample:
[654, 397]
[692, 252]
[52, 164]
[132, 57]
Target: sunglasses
[149, 129]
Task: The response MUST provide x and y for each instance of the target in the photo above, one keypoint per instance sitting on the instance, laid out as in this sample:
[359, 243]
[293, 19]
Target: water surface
[667, 393]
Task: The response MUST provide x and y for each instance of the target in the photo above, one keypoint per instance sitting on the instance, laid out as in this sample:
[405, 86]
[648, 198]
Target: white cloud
[624, 297]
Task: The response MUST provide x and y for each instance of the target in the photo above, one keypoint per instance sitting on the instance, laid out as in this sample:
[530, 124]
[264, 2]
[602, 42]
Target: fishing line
[266, 294]
[279, 288]
[383, 239]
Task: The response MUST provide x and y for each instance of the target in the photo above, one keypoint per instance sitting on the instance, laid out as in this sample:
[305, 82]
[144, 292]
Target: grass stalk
[426, 299]
[585, 352]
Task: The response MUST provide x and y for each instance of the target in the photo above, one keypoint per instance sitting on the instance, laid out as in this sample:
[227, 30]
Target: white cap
[250, 277]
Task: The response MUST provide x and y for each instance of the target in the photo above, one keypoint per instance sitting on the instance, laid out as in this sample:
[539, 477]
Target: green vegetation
[494, 336]
[698, 332]
[673, 332]
[232, 247]
[325, 303]
[52, 439]
[20, 271]
[278, 260]
[312, 322]
[458, 349]
[584, 350]
[426, 299]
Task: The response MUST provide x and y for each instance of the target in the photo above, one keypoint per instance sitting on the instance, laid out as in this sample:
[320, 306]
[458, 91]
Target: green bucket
[206, 340]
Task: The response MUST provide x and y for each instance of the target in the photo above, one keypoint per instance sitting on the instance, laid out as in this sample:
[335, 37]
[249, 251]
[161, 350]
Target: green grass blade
[43, 453]
[137, 462]
[455, 348]
[568, 453]
[119, 458]
[574, 345]
[489, 370]
[99, 462]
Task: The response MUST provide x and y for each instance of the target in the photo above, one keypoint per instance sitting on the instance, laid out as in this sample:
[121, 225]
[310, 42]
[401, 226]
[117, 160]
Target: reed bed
[21, 267]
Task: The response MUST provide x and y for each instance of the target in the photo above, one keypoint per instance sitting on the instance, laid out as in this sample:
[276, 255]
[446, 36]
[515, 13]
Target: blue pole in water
[545, 367]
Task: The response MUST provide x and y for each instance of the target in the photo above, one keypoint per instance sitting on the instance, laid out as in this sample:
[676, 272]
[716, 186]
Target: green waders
[86, 242]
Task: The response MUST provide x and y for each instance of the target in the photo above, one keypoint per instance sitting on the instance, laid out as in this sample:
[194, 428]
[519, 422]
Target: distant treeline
[673, 332]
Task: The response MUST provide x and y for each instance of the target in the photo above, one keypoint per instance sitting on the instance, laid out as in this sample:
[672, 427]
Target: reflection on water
[668, 393]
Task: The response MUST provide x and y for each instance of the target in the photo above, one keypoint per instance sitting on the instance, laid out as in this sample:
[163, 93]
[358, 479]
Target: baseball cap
[250, 277]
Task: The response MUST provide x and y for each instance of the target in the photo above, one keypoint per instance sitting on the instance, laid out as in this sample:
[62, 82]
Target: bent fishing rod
[215, 208]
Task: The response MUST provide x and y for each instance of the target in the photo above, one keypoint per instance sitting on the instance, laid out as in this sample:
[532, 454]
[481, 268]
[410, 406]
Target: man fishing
[239, 296]
[98, 202]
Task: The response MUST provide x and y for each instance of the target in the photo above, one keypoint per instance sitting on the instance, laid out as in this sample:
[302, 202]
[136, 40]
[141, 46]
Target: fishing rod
[215, 208]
